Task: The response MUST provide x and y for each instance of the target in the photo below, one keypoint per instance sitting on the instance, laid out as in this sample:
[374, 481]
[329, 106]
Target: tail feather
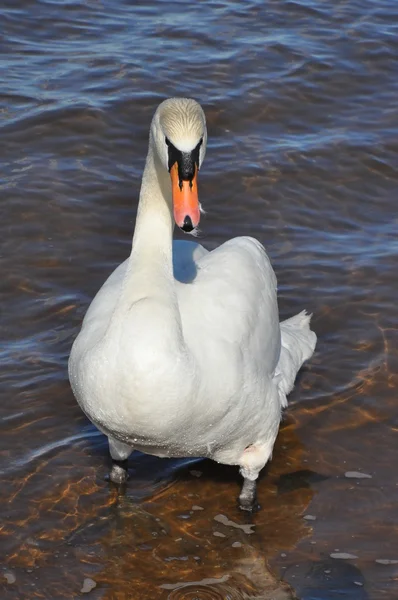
[297, 345]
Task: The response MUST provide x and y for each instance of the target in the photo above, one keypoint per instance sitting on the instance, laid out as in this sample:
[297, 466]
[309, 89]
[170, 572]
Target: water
[300, 99]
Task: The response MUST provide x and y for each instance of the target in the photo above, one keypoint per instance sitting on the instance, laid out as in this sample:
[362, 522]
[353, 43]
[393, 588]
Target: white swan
[181, 352]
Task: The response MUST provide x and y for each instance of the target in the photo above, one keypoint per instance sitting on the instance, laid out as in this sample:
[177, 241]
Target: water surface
[300, 99]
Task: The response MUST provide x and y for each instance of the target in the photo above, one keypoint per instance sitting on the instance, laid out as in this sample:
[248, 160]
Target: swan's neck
[150, 266]
[153, 235]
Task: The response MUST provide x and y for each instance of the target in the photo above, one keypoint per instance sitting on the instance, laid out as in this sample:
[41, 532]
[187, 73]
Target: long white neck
[151, 255]
[150, 266]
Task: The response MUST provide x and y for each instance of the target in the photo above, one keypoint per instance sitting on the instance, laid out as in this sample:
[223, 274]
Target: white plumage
[181, 352]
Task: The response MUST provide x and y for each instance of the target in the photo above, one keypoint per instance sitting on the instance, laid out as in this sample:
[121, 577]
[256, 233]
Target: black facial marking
[195, 153]
[186, 161]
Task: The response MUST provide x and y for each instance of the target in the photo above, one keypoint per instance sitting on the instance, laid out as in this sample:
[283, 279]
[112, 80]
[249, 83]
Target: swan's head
[179, 136]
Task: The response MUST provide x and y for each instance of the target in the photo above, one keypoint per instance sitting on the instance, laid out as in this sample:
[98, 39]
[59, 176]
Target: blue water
[301, 105]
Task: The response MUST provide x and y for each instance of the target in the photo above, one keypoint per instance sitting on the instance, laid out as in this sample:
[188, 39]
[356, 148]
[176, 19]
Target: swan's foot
[119, 473]
[248, 496]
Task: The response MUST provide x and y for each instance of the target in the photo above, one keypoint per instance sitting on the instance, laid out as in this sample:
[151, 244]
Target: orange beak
[185, 200]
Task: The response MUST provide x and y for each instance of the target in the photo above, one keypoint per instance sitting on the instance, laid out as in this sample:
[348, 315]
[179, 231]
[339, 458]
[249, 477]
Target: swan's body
[181, 352]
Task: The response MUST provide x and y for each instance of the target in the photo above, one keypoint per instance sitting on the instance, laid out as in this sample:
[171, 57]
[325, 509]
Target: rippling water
[301, 102]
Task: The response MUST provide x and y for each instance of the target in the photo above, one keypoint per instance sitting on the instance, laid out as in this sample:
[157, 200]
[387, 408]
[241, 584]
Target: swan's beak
[185, 200]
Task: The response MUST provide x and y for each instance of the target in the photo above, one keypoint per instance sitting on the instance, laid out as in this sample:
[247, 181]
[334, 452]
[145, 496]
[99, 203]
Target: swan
[181, 353]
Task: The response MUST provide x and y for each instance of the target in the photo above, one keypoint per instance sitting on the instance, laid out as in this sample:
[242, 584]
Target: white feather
[181, 352]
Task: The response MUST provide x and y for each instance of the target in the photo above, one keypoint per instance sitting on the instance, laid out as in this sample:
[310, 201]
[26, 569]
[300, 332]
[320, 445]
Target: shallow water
[300, 99]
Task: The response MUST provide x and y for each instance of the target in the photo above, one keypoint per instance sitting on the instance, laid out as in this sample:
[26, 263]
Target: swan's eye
[201, 142]
[167, 141]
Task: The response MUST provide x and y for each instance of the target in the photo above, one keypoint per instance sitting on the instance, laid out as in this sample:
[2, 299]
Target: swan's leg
[248, 495]
[119, 453]
[253, 460]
